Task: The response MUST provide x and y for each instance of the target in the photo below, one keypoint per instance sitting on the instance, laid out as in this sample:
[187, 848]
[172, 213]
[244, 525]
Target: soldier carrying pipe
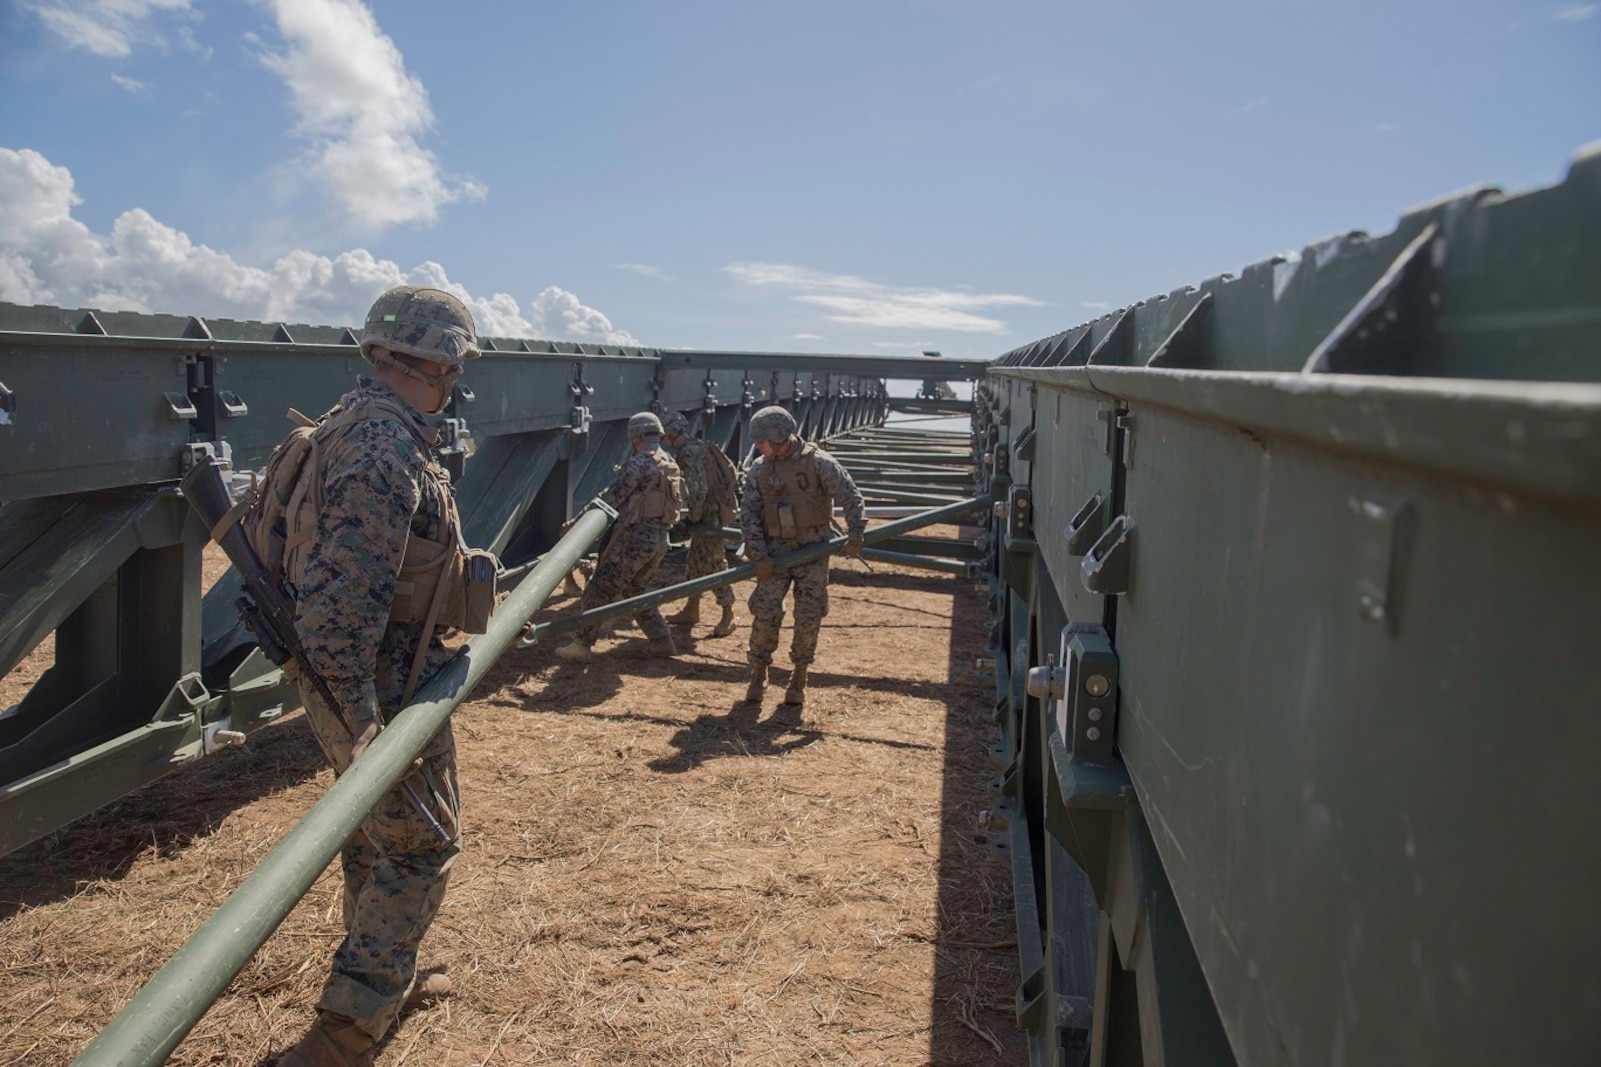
[788, 502]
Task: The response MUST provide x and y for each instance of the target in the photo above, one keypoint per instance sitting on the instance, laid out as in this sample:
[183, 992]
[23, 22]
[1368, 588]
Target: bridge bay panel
[1344, 590]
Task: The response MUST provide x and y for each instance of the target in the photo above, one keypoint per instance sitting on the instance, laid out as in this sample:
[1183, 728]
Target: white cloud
[1245, 109]
[1095, 305]
[49, 257]
[361, 114]
[558, 313]
[133, 85]
[859, 302]
[915, 346]
[807, 337]
[104, 27]
[1577, 13]
[647, 270]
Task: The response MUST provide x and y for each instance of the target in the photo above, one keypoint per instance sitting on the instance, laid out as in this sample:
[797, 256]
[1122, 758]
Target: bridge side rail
[1293, 588]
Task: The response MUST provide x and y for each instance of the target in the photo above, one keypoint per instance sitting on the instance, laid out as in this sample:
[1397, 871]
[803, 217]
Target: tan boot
[758, 683]
[663, 646]
[428, 989]
[796, 693]
[332, 1041]
[575, 651]
[725, 625]
[689, 613]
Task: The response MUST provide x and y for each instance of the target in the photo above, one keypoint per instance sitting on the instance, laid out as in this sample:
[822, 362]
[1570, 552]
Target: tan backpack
[441, 583]
[722, 484]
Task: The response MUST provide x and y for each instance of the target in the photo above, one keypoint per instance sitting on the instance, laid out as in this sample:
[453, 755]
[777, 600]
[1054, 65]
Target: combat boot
[663, 646]
[575, 651]
[689, 613]
[758, 683]
[796, 693]
[725, 625]
[332, 1041]
[426, 990]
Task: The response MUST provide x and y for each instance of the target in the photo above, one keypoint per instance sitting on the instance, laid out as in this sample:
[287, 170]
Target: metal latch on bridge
[1084, 689]
[579, 416]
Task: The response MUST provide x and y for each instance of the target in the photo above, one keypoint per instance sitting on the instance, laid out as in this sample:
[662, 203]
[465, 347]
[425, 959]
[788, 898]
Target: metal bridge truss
[101, 413]
[1296, 591]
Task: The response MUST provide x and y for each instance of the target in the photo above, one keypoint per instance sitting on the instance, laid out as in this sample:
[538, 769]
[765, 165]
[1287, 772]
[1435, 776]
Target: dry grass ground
[654, 872]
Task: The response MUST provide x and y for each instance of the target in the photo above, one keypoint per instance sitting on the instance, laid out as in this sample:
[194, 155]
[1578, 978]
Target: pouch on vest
[786, 522]
[478, 590]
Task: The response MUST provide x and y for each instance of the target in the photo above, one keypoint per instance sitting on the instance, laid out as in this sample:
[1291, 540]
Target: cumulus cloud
[49, 257]
[108, 28]
[361, 114]
[558, 313]
[859, 302]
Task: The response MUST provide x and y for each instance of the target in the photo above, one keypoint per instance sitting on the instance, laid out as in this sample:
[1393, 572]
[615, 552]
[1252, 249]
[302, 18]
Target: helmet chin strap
[385, 358]
[441, 381]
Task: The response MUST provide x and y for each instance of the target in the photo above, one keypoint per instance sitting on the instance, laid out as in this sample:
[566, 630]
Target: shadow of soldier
[741, 732]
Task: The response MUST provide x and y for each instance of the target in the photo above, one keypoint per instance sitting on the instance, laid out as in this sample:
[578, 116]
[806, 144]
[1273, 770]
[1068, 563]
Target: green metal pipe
[926, 563]
[150, 1027]
[876, 473]
[705, 583]
[901, 495]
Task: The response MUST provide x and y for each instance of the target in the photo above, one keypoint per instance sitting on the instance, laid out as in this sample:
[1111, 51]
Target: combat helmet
[645, 424]
[430, 324]
[675, 425]
[773, 424]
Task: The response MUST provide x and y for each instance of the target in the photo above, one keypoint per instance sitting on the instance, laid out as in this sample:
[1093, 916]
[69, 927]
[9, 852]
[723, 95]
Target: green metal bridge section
[1297, 578]
[101, 413]
[1293, 579]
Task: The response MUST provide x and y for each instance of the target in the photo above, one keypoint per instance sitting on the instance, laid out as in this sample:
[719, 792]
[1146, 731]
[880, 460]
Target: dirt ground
[653, 871]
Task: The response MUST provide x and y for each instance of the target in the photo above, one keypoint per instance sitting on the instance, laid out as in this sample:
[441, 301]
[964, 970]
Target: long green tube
[656, 597]
[171, 1003]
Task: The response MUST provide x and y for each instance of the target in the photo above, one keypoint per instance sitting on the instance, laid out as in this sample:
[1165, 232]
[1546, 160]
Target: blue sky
[873, 176]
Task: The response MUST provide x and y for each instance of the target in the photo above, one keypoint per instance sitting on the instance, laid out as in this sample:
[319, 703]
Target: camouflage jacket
[692, 460]
[380, 485]
[639, 476]
[825, 477]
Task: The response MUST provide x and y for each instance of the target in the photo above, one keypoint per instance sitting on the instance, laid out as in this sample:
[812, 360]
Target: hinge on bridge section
[708, 402]
[580, 389]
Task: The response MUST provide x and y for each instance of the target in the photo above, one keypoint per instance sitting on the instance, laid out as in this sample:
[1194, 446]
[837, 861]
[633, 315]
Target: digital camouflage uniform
[379, 486]
[820, 476]
[708, 549]
[638, 543]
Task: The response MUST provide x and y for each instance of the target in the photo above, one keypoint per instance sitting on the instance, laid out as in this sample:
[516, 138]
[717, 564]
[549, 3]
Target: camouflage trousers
[395, 871]
[708, 554]
[625, 569]
[810, 583]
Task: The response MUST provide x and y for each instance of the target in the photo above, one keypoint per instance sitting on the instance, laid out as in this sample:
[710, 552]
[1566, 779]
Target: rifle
[268, 607]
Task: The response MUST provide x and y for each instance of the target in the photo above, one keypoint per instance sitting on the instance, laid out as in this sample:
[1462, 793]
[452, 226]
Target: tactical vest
[795, 503]
[441, 583]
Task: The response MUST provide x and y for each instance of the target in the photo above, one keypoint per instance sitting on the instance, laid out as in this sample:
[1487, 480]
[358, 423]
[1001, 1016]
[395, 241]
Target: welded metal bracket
[1377, 336]
[579, 418]
[1189, 345]
[1383, 552]
[195, 451]
[1086, 525]
[1105, 569]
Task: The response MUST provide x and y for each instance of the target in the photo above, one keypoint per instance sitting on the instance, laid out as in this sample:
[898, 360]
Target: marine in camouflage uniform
[708, 549]
[788, 499]
[381, 487]
[647, 494]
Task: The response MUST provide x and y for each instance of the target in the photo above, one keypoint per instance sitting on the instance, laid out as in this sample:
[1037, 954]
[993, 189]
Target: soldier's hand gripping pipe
[267, 609]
